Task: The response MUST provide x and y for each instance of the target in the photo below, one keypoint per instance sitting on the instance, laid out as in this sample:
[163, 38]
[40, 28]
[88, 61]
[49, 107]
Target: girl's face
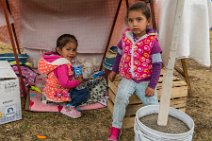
[137, 22]
[69, 51]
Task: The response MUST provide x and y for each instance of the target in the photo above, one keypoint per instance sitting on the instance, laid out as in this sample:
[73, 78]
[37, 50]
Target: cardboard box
[211, 45]
[10, 102]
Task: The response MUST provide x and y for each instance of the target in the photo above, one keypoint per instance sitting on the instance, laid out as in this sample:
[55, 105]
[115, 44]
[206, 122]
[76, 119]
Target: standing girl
[138, 62]
[60, 82]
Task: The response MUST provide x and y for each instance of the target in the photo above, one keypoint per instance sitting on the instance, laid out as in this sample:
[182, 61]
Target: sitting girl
[60, 83]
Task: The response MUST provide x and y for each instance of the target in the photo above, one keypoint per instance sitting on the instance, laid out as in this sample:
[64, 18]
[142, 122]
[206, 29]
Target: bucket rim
[190, 131]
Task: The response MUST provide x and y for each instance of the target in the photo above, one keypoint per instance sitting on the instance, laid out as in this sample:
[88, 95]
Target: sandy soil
[174, 125]
[200, 101]
[93, 126]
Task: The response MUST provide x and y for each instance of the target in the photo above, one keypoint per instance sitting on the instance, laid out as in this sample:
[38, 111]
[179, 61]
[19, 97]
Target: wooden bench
[178, 98]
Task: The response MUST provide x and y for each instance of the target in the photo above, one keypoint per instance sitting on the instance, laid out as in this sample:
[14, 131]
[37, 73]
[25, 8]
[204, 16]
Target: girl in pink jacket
[61, 83]
[138, 62]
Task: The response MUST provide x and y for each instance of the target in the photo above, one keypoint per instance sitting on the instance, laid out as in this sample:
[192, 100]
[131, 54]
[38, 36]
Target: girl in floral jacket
[138, 62]
[60, 83]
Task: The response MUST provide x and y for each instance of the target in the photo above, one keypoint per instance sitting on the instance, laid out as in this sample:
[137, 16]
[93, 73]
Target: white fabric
[194, 31]
[60, 61]
[43, 21]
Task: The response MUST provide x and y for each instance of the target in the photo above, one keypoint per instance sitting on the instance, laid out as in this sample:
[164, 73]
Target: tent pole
[3, 3]
[111, 32]
[127, 4]
[13, 29]
[153, 14]
[168, 76]
[184, 73]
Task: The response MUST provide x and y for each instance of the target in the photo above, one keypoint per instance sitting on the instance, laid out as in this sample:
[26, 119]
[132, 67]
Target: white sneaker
[71, 112]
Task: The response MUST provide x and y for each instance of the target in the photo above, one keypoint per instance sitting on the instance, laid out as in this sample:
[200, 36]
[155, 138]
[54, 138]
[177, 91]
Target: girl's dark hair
[64, 39]
[142, 6]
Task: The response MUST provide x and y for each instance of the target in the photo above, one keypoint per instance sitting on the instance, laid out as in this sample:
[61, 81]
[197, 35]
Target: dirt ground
[199, 103]
[93, 126]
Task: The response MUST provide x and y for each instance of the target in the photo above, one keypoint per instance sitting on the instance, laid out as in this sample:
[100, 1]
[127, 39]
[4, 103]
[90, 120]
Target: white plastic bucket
[144, 133]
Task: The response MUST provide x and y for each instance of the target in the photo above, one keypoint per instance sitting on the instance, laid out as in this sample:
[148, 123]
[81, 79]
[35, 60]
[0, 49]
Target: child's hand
[112, 76]
[80, 78]
[149, 92]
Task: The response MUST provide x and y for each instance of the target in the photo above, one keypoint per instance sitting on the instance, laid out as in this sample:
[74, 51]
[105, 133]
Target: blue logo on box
[10, 111]
[77, 70]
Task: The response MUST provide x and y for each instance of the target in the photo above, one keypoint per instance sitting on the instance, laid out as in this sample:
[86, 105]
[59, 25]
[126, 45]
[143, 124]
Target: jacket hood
[50, 61]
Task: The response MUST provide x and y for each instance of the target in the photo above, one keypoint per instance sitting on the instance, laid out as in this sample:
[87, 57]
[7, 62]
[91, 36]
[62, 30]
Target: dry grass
[93, 126]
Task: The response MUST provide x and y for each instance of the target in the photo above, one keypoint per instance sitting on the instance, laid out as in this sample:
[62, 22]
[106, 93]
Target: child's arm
[115, 68]
[118, 58]
[154, 79]
[61, 73]
[156, 68]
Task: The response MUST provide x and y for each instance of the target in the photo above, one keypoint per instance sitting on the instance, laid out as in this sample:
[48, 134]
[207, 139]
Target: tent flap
[90, 21]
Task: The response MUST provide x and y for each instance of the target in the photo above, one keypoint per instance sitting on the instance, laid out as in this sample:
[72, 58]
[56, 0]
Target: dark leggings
[78, 96]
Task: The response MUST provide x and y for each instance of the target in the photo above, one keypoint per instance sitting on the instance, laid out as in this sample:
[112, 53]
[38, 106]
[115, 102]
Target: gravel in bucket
[174, 125]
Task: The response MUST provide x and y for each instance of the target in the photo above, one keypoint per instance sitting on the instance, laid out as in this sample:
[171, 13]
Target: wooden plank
[175, 84]
[118, 78]
[179, 100]
[128, 122]
[113, 87]
[110, 106]
[174, 79]
[174, 101]
[116, 83]
[176, 92]
[162, 72]
[185, 71]
[131, 109]
[179, 105]
[111, 95]
[182, 109]
[132, 100]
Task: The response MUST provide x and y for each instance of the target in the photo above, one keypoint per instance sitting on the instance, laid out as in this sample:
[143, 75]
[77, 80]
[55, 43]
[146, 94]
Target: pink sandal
[71, 112]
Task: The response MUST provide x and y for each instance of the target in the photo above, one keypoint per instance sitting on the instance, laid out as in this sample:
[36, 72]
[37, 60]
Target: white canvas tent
[193, 41]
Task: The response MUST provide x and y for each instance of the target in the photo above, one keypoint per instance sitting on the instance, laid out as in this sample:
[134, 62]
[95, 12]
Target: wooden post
[3, 3]
[111, 32]
[153, 14]
[184, 73]
[168, 76]
[13, 29]
[185, 70]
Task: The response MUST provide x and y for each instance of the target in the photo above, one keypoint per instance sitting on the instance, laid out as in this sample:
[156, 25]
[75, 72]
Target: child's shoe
[71, 112]
[114, 134]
